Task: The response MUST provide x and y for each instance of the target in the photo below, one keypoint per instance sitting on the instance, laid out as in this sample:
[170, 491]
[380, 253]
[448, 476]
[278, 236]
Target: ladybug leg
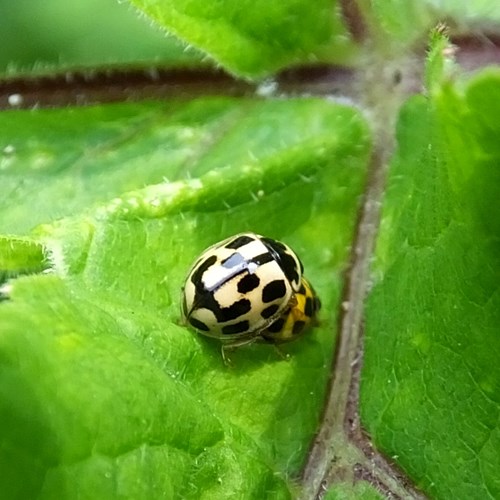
[276, 346]
[225, 358]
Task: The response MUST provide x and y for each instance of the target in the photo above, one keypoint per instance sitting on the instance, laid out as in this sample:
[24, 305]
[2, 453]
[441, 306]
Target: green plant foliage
[431, 381]
[105, 394]
[271, 35]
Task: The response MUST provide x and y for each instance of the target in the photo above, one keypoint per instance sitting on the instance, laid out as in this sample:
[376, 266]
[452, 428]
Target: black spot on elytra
[276, 326]
[284, 259]
[240, 327]
[269, 311]
[289, 266]
[196, 277]
[199, 325]
[298, 327]
[234, 260]
[248, 283]
[239, 242]
[302, 289]
[273, 291]
[235, 310]
[205, 299]
[263, 258]
[309, 307]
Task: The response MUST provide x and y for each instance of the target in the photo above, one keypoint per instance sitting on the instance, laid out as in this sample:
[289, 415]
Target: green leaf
[431, 380]
[403, 23]
[253, 39]
[127, 401]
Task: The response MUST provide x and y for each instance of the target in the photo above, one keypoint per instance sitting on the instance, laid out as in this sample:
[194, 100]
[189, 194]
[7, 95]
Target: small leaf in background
[253, 39]
[401, 24]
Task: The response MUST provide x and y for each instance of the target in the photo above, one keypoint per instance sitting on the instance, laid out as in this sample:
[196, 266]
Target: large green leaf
[431, 378]
[124, 400]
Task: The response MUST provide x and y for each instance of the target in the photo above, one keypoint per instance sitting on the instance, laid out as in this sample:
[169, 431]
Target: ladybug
[240, 286]
[296, 319]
